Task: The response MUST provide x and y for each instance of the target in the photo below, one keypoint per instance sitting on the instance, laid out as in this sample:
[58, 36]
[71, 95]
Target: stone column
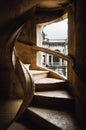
[39, 40]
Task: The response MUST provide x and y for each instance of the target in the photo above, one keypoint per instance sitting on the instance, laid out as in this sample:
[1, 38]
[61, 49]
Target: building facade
[57, 64]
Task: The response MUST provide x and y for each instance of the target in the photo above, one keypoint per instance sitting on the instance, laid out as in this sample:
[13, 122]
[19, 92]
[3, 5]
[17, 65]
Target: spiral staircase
[52, 106]
[32, 99]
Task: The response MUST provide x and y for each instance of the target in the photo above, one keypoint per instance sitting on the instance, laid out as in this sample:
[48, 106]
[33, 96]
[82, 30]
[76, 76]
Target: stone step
[48, 119]
[56, 99]
[45, 84]
[38, 74]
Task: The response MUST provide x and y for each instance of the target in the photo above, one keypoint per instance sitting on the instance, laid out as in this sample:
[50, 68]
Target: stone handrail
[55, 53]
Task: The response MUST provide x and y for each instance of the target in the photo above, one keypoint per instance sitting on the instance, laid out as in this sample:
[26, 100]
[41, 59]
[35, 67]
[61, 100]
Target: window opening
[54, 37]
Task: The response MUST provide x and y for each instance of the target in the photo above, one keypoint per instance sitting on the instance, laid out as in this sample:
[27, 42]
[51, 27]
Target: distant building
[52, 62]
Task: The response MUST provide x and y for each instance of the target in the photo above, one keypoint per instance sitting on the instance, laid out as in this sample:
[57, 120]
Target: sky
[58, 30]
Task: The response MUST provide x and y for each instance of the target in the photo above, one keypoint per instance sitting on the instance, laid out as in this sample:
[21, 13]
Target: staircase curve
[17, 86]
